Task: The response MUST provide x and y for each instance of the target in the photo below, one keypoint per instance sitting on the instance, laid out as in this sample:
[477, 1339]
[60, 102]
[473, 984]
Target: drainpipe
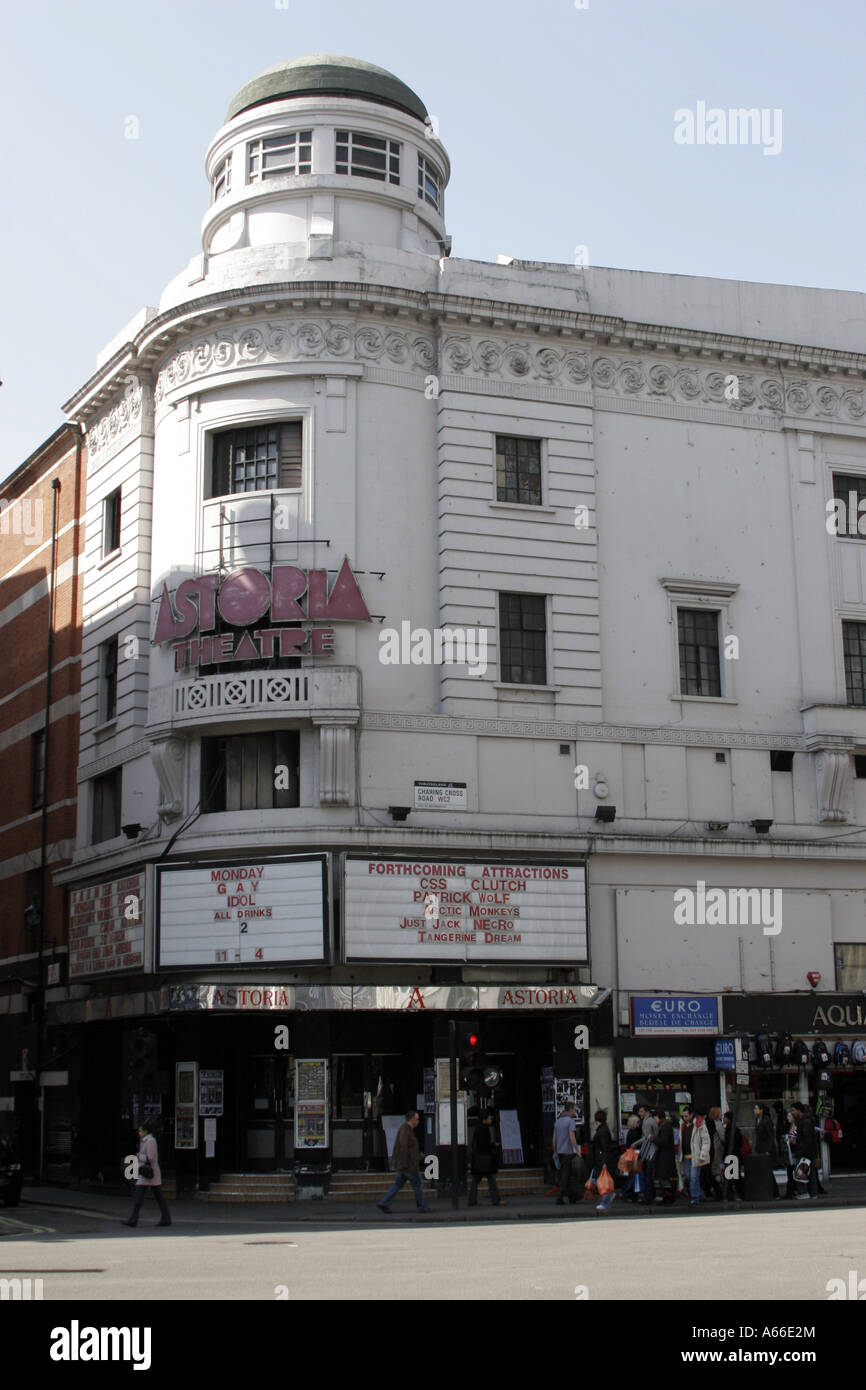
[46, 727]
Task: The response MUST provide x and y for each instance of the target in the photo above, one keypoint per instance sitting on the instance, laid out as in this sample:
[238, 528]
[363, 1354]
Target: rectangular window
[781, 761]
[106, 806]
[849, 490]
[518, 469]
[860, 764]
[107, 680]
[37, 769]
[250, 772]
[850, 967]
[429, 183]
[368, 156]
[222, 179]
[255, 459]
[854, 650]
[111, 523]
[280, 154]
[699, 652]
[522, 639]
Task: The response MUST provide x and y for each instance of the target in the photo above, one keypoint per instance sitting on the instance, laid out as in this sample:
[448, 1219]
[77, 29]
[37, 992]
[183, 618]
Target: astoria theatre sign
[258, 605]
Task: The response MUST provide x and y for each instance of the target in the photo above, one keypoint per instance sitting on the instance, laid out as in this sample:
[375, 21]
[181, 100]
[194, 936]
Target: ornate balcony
[322, 694]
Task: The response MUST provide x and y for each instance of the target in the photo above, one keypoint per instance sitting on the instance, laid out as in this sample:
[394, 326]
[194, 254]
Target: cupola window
[280, 154]
[222, 179]
[368, 156]
[429, 183]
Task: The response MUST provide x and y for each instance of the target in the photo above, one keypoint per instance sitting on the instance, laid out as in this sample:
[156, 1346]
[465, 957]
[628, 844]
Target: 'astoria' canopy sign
[288, 595]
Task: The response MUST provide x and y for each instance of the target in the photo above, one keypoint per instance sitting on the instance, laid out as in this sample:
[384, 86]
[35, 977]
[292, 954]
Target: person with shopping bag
[602, 1144]
[630, 1162]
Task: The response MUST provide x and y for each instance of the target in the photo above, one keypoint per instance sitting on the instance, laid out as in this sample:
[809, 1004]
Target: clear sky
[559, 122]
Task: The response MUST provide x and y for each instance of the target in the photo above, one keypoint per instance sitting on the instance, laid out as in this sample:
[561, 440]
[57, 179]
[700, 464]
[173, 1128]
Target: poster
[210, 1093]
[184, 1128]
[311, 1103]
[570, 1088]
[548, 1099]
[311, 1130]
[185, 1118]
[510, 1137]
[429, 1091]
[310, 1079]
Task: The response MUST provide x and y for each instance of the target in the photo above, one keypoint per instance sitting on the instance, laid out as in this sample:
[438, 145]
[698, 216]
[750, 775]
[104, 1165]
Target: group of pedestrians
[665, 1155]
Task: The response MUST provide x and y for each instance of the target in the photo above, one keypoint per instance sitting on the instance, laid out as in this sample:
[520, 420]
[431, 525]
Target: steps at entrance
[357, 1187]
[371, 1187]
[251, 1187]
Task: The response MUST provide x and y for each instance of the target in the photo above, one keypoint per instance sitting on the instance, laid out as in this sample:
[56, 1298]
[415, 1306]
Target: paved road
[750, 1255]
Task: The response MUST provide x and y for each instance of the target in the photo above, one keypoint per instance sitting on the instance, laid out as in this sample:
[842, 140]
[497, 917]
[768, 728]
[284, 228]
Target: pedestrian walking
[701, 1151]
[649, 1129]
[407, 1161]
[484, 1154]
[805, 1151]
[565, 1150]
[149, 1177]
[713, 1170]
[732, 1143]
[601, 1149]
[665, 1174]
[633, 1140]
[759, 1184]
[686, 1126]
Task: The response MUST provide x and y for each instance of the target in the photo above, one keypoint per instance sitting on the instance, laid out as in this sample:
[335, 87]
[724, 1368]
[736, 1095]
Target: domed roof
[327, 74]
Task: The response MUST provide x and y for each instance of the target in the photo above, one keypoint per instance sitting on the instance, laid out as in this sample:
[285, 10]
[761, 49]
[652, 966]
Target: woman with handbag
[484, 1160]
[149, 1176]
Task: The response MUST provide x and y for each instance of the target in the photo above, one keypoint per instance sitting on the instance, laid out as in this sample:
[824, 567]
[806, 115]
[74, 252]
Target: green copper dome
[328, 75]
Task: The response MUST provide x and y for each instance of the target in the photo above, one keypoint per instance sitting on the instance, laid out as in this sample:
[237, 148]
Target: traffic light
[470, 1057]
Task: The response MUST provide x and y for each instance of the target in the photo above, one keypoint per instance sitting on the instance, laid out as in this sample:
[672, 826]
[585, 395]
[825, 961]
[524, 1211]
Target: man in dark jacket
[666, 1160]
[407, 1161]
[806, 1146]
[484, 1154]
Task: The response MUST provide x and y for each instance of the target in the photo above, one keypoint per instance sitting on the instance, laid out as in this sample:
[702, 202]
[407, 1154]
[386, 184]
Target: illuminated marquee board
[239, 914]
[398, 910]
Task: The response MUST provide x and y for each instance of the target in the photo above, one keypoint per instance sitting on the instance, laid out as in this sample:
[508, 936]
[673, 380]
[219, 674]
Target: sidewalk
[187, 1212]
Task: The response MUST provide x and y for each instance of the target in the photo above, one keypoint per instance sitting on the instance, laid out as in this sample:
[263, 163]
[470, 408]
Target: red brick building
[41, 537]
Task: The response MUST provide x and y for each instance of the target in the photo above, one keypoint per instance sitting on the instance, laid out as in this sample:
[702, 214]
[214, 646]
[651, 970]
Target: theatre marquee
[261, 911]
[460, 911]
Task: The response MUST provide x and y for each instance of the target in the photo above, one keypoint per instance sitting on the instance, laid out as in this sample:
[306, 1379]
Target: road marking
[26, 1225]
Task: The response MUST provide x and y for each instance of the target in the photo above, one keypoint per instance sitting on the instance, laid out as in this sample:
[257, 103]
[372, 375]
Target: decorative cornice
[381, 721]
[296, 340]
[391, 301]
[515, 360]
[117, 422]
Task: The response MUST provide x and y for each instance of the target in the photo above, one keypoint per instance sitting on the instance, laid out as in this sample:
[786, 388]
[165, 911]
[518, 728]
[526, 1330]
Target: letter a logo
[416, 999]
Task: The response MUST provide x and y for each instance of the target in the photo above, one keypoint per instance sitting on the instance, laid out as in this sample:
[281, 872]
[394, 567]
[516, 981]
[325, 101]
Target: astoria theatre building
[417, 593]
[307, 837]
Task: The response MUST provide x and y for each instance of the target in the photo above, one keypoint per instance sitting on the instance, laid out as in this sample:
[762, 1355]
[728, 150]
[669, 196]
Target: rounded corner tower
[323, 159]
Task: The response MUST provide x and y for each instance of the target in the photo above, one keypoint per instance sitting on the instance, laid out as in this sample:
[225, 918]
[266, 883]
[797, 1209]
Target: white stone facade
[698, 422]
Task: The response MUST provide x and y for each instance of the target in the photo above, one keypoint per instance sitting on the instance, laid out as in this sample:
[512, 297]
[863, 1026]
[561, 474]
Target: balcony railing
[290, 689]
[251, 696]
